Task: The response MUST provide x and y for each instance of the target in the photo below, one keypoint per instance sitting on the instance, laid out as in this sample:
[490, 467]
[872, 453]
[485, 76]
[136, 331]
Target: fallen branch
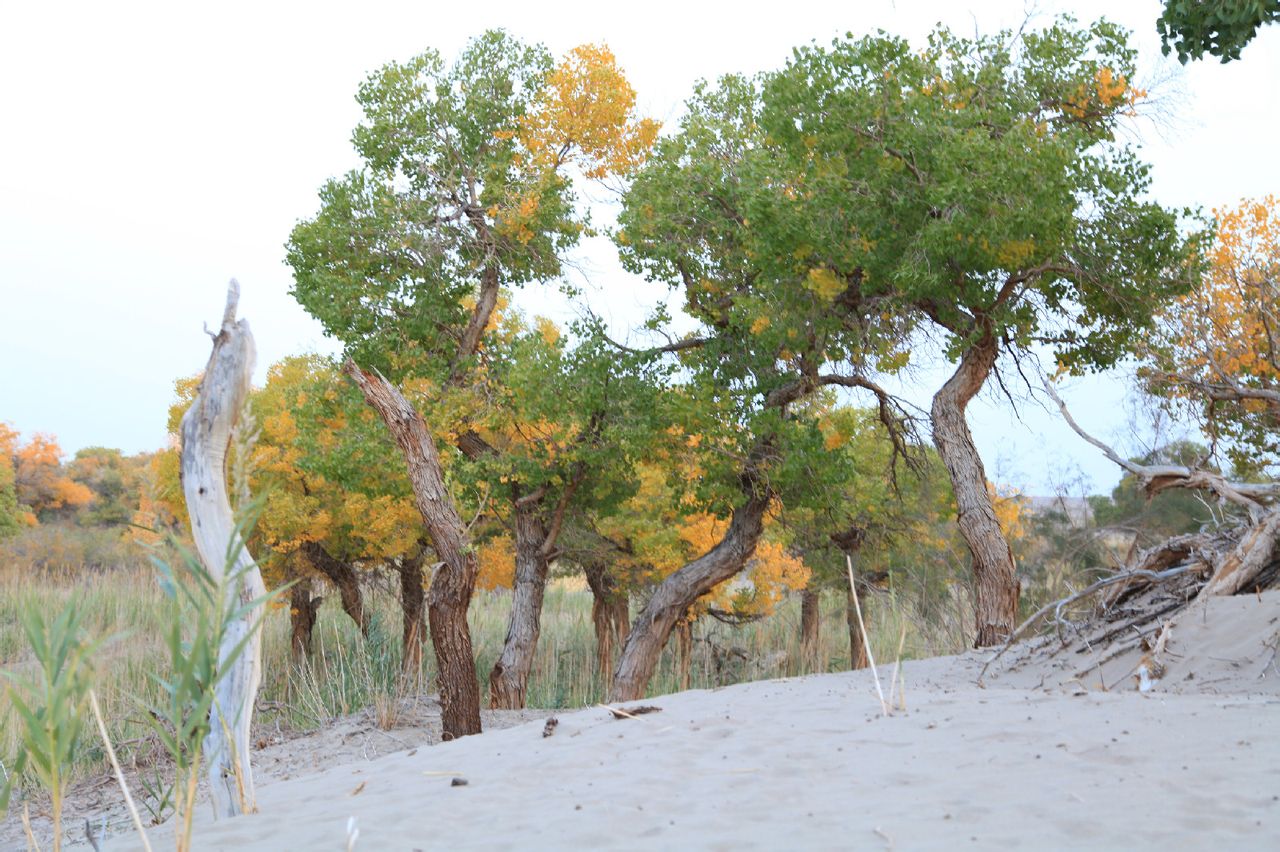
[1057, 606]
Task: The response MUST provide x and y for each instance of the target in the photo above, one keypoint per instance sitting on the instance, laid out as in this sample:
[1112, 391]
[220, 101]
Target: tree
[115, 481]
[42, 488]
[337, 501]
[1218, 353]
[13, 515]
[1223, 29]
[775, 327]
[976, 185]
[465, 189]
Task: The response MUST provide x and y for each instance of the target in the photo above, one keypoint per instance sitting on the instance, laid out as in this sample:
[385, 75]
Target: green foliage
[53, 707]
[1221, 28]
[391, 263]
[10, 511]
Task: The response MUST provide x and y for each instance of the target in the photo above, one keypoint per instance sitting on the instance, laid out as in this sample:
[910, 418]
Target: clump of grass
[52, 707]
[201, 615]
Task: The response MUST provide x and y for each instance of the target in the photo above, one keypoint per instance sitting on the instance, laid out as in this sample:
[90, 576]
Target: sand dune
[1039, 759]
[811, 763]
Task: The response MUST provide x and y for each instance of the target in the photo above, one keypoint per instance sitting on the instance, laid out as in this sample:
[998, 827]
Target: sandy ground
[1040, 758]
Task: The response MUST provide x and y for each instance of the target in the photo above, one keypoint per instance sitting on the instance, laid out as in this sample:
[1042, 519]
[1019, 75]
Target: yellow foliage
[587, 107]
[497, 564]
[824, 282]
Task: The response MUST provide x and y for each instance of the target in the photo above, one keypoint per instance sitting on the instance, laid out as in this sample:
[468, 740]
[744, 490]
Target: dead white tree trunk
[206, 434]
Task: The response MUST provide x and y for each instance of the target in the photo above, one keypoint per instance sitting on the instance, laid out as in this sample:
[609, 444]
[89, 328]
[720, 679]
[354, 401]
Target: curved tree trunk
[994, 575]
[810, 625]
[677, 593]
[345, 579]
[610, 615]
[302, 619]
[206, 434]
[412, 607]
[509, 680]
[451, 588]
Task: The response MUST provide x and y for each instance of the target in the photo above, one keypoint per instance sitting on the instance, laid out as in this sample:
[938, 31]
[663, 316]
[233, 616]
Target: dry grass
[348, 673]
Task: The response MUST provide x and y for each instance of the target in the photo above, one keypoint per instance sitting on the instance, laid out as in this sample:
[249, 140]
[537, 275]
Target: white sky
[149, 152]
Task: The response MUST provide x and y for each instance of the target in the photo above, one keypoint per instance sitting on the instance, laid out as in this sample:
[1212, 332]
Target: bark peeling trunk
[302, 620]
[345, 579]
[810, 625]
[857, 649]
[610, 615]
[678, 592]
[206, 433]
[451, 588]
[684, 650]
[509, 680]
[994, 574]
[412, 607]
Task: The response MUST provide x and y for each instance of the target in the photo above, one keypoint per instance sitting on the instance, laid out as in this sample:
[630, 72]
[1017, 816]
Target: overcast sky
[149, 152]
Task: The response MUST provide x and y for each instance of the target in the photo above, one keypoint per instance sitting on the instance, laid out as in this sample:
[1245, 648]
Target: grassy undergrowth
[349, 673]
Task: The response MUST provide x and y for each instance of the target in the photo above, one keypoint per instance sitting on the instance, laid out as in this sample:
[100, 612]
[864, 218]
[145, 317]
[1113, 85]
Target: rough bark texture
[994, 577]
[610, 615]
[678, 592]
[509, 680]
[302, 619]
[454, 581]
[857, 650]
[206, 434]
[344, 578]
[810, 624]
[412, 609]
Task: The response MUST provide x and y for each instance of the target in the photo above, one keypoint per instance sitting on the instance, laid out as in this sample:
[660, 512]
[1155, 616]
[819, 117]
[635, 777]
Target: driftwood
[1238, 567]
[1177, 573]
[206, 434]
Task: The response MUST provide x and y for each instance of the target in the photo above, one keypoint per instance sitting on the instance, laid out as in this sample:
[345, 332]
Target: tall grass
[348, 673]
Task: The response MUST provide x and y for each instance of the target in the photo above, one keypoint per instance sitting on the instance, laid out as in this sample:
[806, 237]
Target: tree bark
[684, 650]
[678, 592]
[857, 649]
[454, 581]
[412, 607]
[810, 625]
[345, 579]
[610, 615]
[509, 680]
[206, 434]
[302, 619]
[994, 574]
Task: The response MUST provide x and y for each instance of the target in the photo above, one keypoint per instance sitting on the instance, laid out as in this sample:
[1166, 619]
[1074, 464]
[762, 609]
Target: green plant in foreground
[53, 706]
[203, 612]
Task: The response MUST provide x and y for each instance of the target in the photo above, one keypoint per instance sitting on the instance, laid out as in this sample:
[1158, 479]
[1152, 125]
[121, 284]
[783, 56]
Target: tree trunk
[684, 650]
[302, 619]
[810, 624]
[509, 680]
[857, 649]
[451, 588]
[412, 607]
[345, 579]
[994, 574]
[610, 616]
[678, 592]
[206, 434]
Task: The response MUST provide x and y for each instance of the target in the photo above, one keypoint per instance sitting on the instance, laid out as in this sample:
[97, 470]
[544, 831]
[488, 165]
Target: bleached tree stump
[206, 434]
